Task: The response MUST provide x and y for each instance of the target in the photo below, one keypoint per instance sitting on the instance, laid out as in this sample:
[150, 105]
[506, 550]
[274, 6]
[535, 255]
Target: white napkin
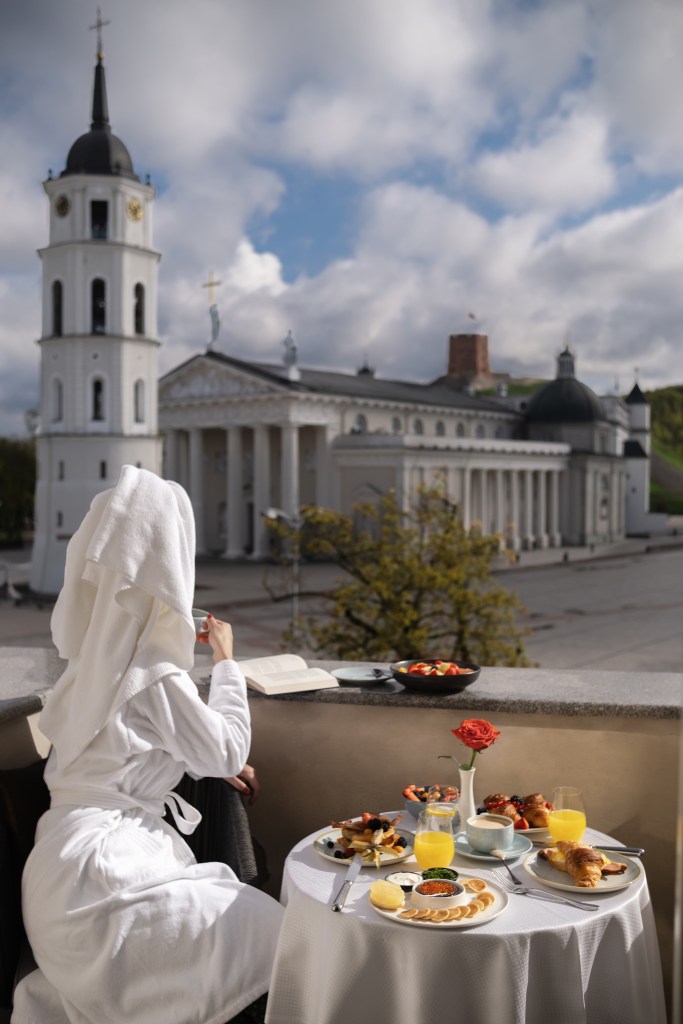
[123, 617]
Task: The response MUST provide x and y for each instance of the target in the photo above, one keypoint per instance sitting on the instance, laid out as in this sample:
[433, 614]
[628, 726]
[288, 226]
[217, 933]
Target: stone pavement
[239, 592]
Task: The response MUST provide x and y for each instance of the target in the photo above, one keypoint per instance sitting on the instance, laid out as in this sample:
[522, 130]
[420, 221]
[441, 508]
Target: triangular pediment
[203, 378]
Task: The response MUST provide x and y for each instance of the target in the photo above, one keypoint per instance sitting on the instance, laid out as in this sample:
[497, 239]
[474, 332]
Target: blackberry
[339, 855]
[373, 824]
[386, 825]
[482, 810]
[400, 843]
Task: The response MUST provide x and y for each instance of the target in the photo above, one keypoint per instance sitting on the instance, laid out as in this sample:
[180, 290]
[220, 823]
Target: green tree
[415, 584]
[17, 488]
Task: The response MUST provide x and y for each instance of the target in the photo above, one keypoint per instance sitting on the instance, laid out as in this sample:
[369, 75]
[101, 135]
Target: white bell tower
[99, 347]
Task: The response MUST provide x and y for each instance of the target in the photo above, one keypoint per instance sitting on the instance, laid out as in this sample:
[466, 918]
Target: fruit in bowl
[415, 798]
[433, 675]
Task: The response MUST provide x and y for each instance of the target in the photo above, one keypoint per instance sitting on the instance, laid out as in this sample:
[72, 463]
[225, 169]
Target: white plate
[520, 846]
[537, 835]
[483, 917]
[320, 846]
[543, 871]
[360, 676]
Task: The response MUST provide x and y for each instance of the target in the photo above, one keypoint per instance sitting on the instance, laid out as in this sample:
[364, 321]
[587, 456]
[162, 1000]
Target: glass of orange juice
[434, 845]
[567, 820]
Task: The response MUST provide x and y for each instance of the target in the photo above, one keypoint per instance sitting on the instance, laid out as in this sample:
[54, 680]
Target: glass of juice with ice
[434, 845]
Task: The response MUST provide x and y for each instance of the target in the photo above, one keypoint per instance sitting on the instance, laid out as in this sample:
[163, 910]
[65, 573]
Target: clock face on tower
[62, 205]
[135, 209]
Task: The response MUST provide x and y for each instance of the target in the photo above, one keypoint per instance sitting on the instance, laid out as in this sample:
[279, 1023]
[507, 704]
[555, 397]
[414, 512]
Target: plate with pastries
[529, 814]
[573, 866]
[374, 837]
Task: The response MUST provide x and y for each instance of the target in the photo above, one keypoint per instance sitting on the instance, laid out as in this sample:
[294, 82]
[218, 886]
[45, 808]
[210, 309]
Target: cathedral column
[484, 501]
[500, 507]
[322, 467]
[171, 455]
[528, 529]
[466, 497]
[233, 493]
[555, 535]
[196, 485]
[261, 490]
[515, 511]
[542, 525]
[289, 470]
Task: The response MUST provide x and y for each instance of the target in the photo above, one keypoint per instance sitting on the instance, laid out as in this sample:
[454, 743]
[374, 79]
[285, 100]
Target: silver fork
[513, 884]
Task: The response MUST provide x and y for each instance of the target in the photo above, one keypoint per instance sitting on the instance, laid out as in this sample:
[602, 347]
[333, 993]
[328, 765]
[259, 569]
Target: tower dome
[565, 399]
[99, 151]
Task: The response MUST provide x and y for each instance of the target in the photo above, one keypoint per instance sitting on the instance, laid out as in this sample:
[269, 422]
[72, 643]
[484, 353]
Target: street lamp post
[294, 522]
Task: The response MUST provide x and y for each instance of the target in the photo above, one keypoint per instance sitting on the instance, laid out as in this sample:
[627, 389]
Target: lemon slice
[387, 895]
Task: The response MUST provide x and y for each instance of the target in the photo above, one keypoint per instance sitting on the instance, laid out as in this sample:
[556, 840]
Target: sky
[373, 175]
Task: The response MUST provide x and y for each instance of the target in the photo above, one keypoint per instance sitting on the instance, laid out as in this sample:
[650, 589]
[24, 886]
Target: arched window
[98, 306]
[97, 399]
[480, 432]
[139, 401]
[396, 425]
[57, 309]
[361, 424]
[139, 309]
[57, 400]
[418, 427]
[460, 430]
[440, 429]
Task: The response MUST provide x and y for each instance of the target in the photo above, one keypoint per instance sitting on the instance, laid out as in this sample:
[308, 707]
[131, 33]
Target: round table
[536, 962]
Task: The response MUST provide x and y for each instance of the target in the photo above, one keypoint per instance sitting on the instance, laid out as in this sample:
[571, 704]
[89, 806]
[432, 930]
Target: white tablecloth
[538, 962]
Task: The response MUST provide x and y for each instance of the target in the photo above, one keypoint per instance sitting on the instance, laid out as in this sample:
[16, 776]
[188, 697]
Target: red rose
[476, 733]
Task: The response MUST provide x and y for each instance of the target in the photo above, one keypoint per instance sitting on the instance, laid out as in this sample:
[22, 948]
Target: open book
[284, 673]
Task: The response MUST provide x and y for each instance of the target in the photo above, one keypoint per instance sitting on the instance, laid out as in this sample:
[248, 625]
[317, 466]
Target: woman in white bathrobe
[124, 924]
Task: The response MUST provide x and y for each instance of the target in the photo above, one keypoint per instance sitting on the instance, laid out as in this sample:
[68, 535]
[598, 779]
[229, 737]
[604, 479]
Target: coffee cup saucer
[520, 846]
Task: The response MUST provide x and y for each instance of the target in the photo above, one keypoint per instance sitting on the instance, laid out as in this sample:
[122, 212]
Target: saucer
[520, 846]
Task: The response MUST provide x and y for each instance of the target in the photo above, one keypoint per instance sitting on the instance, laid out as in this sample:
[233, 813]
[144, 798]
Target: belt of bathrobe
[184, 814]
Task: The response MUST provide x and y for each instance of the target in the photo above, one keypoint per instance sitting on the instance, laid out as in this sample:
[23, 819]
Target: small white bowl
[438, 901]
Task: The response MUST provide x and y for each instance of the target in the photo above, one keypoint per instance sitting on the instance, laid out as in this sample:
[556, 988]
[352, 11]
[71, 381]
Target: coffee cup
[486, 832]
[201, 626]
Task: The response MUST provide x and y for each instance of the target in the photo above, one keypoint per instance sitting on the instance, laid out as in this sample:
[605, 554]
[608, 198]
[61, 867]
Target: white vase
[467, 807]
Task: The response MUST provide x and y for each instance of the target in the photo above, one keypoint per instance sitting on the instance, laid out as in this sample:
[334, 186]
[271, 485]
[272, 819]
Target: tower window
[103, 470]
[60, 469]
[60, 519]
[418, 427]
[57, 400]
[139, 401]
[139, 309]
[99, 216]
[57, 308]
[440, 429]
[460, 430]
[98, 399]
[396, 425]
[98, 306]
[480, 432]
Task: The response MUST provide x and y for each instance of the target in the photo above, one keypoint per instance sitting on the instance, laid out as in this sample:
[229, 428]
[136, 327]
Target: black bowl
[435, 684]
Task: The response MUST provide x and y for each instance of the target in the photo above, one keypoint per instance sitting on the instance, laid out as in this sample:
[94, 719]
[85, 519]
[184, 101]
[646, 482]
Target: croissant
[582, 863]
[536, 815]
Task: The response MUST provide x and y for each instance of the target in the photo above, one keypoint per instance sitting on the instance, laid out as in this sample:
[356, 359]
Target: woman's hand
[219, 636]
[246, 782]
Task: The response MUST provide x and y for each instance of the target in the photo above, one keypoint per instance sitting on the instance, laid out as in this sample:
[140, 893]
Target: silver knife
[351, 875]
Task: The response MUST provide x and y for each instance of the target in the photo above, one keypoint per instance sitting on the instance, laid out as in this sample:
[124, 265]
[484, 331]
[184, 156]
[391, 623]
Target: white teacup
[199, 617]
[486, 832]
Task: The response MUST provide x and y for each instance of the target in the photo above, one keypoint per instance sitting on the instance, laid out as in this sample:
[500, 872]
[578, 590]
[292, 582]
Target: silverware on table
[515, 885]
[351, 875]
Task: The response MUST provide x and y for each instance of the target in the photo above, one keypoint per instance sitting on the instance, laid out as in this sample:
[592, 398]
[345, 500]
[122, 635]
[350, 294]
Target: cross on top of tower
[98, 26]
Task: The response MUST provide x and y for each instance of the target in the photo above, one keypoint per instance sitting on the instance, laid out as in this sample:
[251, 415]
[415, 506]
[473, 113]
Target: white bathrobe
[124, 924]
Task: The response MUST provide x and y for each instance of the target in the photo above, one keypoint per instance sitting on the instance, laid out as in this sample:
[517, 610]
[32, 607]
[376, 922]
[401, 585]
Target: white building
[243, 436]
[99, 348]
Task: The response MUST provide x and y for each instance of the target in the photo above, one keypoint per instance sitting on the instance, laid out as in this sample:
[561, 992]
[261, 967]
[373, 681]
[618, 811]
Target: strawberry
[521, 824]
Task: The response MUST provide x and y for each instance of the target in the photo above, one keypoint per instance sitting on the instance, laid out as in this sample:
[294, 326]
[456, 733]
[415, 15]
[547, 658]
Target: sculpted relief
[209, 384]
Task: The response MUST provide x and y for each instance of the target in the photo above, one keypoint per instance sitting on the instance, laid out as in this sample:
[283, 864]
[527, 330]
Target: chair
[24, 797]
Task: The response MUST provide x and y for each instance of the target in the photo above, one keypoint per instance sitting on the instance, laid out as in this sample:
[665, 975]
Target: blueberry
[329, 844]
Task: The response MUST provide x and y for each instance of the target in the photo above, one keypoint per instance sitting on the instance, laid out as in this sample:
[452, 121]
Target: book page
[276, 663]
